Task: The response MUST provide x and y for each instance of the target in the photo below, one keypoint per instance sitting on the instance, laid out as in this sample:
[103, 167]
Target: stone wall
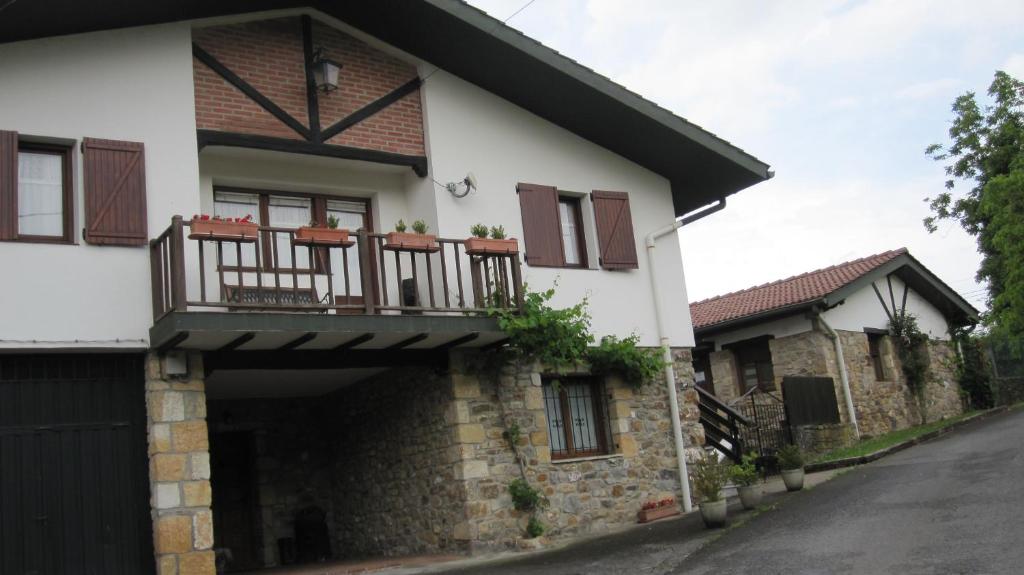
[585, 495]
[292, 461]
[723, 375]
[179, 469]
[822, 438]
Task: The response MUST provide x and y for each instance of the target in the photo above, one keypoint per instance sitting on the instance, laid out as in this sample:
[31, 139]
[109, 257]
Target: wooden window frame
[875, 341]
[67, 193]
[318, 210]
[599, 417]
[738, 349]
[581, 236]
[702, 363]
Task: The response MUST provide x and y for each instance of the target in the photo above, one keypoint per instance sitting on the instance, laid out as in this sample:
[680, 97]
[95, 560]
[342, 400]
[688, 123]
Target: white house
[169, 386]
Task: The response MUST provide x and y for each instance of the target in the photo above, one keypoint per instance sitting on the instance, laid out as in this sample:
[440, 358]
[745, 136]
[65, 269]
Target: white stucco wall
[863, 309]
[782, 327]
[133, 84]
[472, 130]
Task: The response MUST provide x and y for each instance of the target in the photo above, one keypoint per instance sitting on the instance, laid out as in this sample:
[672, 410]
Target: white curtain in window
[40, 194]
[553, 407]
[237, 205]
[350, 217]
[292, 213]
[570, 235]
[584, 426]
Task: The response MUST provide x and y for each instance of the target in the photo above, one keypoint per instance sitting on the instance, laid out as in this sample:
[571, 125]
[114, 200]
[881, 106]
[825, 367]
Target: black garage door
[73, 470]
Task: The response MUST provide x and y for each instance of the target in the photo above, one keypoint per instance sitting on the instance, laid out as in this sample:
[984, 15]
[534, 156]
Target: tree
[986, 152]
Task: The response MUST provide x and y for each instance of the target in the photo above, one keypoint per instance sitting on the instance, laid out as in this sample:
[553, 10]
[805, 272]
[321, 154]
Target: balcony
[267, 288]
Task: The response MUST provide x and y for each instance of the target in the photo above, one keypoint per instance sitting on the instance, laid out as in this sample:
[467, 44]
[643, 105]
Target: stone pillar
[179, 468]
[723, 374]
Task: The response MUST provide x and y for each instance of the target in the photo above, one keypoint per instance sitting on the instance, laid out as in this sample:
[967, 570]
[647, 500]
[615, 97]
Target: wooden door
[234, 498]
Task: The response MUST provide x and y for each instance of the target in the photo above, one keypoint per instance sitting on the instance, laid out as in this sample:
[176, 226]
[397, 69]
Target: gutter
[843, 375]
[670, 372]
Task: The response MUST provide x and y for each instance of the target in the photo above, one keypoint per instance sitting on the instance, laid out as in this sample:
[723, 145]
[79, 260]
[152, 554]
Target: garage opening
[73, 487]
[329, 466]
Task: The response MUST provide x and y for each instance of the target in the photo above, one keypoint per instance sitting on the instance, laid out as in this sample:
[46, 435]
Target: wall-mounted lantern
[325, 72]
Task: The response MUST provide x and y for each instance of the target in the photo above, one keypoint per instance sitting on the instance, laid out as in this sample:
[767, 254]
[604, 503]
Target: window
[754, 364]
[574, 250]
[287, 211]
[875, 352]
[577, 419]
[44, 193]
[702, 369]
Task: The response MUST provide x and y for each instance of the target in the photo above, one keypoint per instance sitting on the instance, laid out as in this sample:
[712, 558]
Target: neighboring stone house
[755, 338]
[170, 385]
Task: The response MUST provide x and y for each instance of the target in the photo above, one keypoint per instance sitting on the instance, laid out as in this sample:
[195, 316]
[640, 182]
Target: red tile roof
[803, 288]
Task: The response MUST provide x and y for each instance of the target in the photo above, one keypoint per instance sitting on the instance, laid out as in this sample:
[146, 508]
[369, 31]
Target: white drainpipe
[670, 372]
[843, 376]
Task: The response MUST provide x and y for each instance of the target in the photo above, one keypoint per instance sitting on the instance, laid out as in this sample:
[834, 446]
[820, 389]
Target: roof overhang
[701, 167]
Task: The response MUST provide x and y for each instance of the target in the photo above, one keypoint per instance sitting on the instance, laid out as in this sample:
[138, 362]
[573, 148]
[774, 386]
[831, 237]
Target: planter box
[324, 237]
[224, 231]
[648, 515]
[411, 242]
[487, 246]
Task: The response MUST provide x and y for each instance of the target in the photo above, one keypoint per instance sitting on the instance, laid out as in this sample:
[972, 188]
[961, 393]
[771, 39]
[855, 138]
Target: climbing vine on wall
[912, 349]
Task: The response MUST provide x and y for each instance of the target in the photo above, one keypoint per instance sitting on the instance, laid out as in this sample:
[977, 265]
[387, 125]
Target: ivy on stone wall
[912, 349]
[636, 365]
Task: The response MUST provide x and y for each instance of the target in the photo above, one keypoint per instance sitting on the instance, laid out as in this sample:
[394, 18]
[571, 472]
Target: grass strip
[874, 444]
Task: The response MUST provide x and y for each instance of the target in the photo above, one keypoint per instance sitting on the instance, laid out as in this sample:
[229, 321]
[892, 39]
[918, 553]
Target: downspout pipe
[844, 377]
[670, 372]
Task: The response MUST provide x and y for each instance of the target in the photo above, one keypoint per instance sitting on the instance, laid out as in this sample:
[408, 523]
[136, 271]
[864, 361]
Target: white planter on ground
[793, 478]
[713, 513]
[750, 495]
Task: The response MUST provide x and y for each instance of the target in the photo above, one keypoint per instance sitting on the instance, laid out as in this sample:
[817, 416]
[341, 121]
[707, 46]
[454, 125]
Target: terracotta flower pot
[321, 236]
[750, 495]
[412, 242]
[481, 246]
[713, 513]
[224, 230]
[793, 478]
[648, 515]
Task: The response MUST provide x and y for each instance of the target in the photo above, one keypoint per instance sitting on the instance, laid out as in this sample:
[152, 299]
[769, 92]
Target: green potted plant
[747, 480]
[317, 235]
[709, 477]
[417, 241]
[791, 462]
[497, 244]
[204, 227]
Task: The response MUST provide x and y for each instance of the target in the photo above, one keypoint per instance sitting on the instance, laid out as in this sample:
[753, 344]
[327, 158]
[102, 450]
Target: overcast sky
[840, 97]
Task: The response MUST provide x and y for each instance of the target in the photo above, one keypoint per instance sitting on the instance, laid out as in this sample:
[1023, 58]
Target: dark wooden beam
[354, 342]
[255, 142]
[456, 342]
[173, 342]
[892, 296]
[323, 359]
[312, 98]
[237, 342]
[881, 300]
[408, 341]
[247, 89]
[309, 336]
[903, 308]
[371, 109]
[494, 345]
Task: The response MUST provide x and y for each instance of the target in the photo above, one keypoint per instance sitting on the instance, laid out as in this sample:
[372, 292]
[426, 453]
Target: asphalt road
[951, 505]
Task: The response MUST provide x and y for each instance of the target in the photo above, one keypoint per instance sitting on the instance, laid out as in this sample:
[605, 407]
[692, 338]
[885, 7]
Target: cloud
[1014, 66]
[943, 87]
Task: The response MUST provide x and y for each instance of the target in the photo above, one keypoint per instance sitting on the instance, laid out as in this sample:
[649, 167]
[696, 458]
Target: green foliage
[512, 434]
[972, 369]
[332, 222]
[497, 232]
[745, 472]
[636, 365]
[420, 227]
[986, 152]
[912, 349]
[478, 230]
[400, 226]
[709, 476]
[524, 497]
[558, 338]
[534, 528]
[790, 458]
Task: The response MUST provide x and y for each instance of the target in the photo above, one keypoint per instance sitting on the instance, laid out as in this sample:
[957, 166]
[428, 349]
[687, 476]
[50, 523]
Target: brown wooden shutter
[8, 185]
[542, 227]
[614, 230]
[115, 192]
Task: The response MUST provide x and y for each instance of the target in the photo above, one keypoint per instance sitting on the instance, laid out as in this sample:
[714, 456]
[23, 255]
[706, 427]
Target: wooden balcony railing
[273, 272]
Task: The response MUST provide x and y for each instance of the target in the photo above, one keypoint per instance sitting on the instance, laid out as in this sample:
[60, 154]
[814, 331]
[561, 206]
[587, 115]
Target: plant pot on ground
[654, 510]
[419, 240]
[223, 229]
[791, 462]
[748, 481]
[497, 244]
[709, 476]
